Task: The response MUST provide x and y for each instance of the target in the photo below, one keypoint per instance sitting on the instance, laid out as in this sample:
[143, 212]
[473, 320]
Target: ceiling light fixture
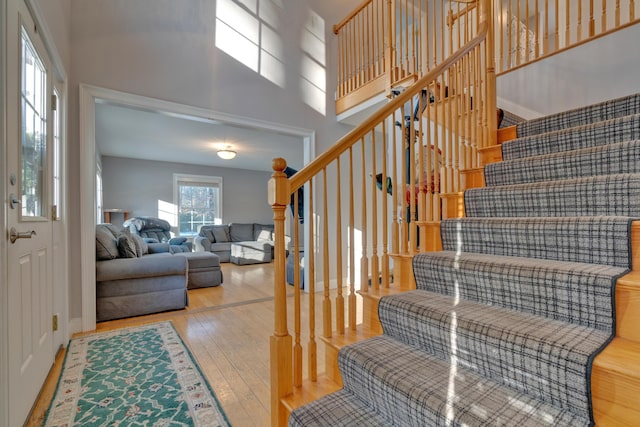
[227, 153]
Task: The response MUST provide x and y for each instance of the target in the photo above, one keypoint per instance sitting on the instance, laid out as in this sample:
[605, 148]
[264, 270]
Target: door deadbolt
[13, 201]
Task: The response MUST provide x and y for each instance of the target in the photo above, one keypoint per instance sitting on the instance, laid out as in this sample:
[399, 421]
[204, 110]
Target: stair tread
[340, 408]
[621, 356]
[349, 337]
[417, 388]
[309, 391]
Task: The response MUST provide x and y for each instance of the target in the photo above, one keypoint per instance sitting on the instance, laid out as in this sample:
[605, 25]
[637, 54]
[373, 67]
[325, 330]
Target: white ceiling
[123, 131]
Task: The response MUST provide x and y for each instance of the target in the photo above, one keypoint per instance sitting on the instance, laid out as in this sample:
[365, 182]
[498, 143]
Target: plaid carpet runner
[506, 320]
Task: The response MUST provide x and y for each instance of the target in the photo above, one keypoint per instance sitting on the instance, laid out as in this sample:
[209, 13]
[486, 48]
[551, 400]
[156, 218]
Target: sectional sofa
[134, 277]
[240, 244]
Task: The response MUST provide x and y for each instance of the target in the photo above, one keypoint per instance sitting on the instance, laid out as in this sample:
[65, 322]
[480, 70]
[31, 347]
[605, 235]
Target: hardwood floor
[227, 329]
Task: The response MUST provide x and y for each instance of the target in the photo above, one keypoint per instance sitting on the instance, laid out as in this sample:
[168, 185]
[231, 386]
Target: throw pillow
[141, 245]
[208, 233]
[126, 247]
[220, 235]
[106, 245]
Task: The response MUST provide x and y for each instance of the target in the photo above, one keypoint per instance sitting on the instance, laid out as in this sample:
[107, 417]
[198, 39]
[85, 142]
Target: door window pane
[33, 135]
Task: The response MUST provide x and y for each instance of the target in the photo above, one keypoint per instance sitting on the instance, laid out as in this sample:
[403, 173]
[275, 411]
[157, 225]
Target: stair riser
[614, 195]
[602, 240]
[582, 116]
[606, 160]
[597, 134]
[582, 295]
[615, 398]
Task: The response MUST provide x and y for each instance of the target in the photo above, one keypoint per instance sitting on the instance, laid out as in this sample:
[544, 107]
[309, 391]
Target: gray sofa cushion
[241, 232]
[263, 232]
[106, 244]
[156, 265]
[220, 234]
[218, 247]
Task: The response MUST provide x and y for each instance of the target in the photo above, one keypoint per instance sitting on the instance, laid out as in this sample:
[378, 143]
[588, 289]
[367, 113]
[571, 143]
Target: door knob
[14, 235]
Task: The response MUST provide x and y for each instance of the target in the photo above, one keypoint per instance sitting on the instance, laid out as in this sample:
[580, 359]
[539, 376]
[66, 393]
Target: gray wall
[137, 186]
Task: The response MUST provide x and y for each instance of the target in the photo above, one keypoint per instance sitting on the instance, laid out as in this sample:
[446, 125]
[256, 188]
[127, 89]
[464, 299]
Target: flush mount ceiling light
[226, 153]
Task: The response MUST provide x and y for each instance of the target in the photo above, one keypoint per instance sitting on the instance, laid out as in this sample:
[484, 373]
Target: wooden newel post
[487, 13]
[281, 343]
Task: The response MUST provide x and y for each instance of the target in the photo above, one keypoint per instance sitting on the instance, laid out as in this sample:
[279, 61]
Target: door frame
[4, 282]
[89, 95]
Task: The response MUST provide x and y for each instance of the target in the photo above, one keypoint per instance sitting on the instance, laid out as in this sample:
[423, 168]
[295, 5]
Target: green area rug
[141, 376]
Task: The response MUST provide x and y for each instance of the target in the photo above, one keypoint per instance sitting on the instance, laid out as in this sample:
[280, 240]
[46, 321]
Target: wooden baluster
[567, 36]
[339, 84]
[537, 46]
[360, 42]
[385, 210]
[281, 344]
[326, 301]
[579, 31]
[411, 39]
[429, 157]
[592, 20]
[352, 257]
[371, 50]
[403, 186]
[412, 185]
[557, 31]
[502, 27]
[395, 230]
[418, 37]
[442, 34]
[297, 348]
[604, 17]
[632, 11]
[339, 297]
[517, 30]
[450, 29]
[547, 48]
[364, 263]
[424, 32]
[617, 13]
[510, 36]
[312, 346]
[421, 183]
[526, 25]
[434, 35]
[375, 260]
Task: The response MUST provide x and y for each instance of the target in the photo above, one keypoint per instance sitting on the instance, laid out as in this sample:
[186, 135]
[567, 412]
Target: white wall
[603, 69]
[138, 185]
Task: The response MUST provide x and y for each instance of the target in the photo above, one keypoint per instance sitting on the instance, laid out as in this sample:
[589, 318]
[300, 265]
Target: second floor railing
[383, 44]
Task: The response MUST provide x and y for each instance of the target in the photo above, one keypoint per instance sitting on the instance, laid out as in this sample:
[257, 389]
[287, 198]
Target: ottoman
[250, 252]
[203, 269]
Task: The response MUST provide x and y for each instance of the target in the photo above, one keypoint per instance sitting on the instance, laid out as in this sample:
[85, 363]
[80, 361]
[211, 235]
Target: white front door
[29, 185]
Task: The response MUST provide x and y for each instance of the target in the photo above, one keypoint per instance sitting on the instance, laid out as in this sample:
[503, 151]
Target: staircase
[507, 324]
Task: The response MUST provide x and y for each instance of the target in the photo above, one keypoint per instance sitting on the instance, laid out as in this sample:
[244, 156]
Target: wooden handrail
[337, 27]
[343, 144]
